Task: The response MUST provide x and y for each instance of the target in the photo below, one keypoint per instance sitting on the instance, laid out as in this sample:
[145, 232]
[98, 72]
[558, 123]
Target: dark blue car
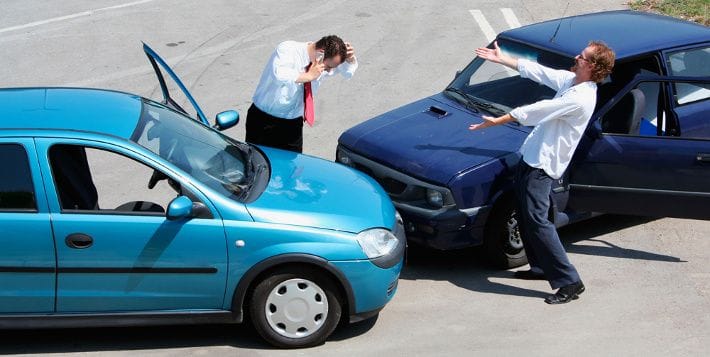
[646, 150]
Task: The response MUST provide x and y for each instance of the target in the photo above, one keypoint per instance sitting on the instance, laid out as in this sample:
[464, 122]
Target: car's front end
[438, 174]
[359, 232]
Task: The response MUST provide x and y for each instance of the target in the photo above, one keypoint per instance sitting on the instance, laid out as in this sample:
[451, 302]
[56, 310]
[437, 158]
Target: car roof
[628, 33]
[94, 110]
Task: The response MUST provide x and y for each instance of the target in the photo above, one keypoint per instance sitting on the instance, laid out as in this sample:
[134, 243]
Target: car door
[649, 151]
[175, 94]
[27, 259]
[116, 250]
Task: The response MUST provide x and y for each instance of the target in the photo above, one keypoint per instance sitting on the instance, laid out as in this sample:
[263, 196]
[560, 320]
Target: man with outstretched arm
[559, 124]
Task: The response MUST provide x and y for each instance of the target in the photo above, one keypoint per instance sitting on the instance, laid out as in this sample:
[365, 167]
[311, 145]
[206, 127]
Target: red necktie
[308, 111]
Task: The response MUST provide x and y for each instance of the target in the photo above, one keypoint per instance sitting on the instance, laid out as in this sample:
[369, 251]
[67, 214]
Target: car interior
[76, 187]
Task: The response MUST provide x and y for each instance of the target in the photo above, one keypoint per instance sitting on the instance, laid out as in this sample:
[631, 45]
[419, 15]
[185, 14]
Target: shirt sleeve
[284, 64]
[546, 110]
[347, 69]
[553, 78]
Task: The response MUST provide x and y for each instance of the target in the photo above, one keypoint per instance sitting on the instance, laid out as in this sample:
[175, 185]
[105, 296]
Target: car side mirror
[458, 73]
[180, 207]
[226, 120]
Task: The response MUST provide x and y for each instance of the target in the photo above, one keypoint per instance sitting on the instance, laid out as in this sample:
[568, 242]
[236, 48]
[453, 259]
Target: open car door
[171, 90]
[652, 156]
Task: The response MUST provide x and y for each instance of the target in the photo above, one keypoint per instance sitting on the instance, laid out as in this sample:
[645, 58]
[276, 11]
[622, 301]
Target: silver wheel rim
[514, 240]
[296, 308]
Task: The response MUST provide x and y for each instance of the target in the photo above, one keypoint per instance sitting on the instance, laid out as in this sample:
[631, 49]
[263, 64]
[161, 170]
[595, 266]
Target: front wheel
[296, 308]
[502, 244]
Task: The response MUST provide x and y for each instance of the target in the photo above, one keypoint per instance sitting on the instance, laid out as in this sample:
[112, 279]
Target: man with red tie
[283, 100]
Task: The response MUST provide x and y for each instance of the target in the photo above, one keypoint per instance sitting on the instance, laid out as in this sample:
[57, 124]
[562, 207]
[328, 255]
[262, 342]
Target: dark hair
[602, 59]
[332, 46]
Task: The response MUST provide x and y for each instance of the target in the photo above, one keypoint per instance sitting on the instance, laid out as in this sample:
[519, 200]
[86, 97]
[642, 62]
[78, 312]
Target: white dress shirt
[278, 94]
[559, 122]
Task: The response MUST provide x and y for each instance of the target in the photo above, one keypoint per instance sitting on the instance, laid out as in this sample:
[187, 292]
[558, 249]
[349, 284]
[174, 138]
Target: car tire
[296, 307]
[502, 245]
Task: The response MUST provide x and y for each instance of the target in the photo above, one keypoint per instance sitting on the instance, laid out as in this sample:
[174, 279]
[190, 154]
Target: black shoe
[529, 275]
[566, 293]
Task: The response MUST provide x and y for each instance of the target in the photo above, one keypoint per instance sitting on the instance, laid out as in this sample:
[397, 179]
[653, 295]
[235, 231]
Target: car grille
[392, 186]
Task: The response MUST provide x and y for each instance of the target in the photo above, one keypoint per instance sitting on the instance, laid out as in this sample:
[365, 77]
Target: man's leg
[521, 178]
[542, 236]
[256, 123]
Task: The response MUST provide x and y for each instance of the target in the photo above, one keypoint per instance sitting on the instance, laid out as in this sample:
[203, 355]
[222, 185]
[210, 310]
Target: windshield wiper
[474, 103]
[491, 108]
[466, 100]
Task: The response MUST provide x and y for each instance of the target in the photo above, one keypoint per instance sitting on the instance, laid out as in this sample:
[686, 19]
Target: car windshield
[207, 155]
[497, 89]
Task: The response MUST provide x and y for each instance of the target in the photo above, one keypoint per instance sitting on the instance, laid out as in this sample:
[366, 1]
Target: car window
[642, 112]
[16, 188]
[623, 74]
[690, 63]
[90, 179]
[639, 112]
[693, 120]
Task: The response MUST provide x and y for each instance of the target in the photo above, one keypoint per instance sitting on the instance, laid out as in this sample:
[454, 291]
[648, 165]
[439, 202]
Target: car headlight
[434, 198]
[377, 242]
[343, 158]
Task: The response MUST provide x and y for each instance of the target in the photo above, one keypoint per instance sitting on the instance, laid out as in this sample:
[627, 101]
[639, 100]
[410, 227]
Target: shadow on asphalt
[128, 338]
[465, 268]
[149, 338]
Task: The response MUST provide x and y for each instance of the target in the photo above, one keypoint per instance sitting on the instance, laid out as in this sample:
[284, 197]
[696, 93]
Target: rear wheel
[502, 244]
[295, 308]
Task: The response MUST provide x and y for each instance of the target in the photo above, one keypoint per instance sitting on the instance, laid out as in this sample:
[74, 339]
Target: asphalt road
[648, 284]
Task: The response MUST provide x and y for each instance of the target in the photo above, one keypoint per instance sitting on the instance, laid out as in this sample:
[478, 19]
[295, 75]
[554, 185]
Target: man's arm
[312, 74]
[285, 69]
[552, 78]
[492, 121]
[349, 66]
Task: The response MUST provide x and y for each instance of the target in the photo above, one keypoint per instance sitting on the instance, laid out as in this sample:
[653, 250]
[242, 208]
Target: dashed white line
[510, 18]
[483, 24]
[72, 16]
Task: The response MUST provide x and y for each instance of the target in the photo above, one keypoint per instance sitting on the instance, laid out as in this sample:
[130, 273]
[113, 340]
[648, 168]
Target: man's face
[582, 61]
[332, 62]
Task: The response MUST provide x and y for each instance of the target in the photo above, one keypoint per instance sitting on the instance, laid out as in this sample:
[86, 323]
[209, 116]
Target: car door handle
[702, 157]
[79, 241]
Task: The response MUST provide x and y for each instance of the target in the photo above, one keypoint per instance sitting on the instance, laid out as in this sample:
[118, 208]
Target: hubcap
[296, 308]
[515, 243]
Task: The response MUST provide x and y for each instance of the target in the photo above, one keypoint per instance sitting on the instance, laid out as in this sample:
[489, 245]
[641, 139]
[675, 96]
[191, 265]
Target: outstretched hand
[487, 121]
[491, 54]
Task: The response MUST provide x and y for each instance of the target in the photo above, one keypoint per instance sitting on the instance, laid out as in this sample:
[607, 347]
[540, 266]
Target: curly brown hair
[332, 46]
[602, 59]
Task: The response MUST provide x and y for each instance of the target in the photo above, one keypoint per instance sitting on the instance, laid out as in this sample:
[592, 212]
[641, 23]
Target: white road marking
[510, 18]
[483, 24]
[72, 16]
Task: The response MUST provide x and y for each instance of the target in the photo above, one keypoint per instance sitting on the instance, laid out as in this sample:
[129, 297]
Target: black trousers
[542, 244]
[268, 130]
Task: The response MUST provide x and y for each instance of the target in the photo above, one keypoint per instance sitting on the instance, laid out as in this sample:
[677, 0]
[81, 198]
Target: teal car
[116, 210]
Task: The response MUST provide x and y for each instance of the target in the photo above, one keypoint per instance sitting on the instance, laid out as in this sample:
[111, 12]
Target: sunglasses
[581, 56]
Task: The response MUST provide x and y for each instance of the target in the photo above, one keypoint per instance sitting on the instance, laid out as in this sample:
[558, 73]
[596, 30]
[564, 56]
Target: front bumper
[372, 287]
[445, 228]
